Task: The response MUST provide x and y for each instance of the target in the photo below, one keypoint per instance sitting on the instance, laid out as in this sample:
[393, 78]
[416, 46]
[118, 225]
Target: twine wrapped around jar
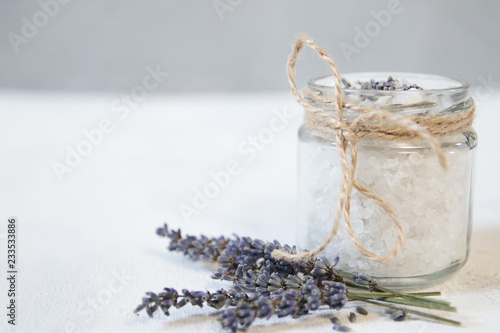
[373, 123]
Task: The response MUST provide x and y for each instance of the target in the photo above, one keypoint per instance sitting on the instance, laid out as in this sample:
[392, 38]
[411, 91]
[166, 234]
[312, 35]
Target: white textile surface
[87, 249]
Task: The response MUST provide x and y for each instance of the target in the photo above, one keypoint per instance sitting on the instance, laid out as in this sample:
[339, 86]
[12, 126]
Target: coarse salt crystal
[419, 193]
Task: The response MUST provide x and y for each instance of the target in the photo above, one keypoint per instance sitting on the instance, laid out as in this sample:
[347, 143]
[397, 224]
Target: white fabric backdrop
[87, 245]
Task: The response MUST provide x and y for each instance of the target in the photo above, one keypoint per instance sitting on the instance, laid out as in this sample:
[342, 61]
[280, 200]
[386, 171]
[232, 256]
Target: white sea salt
[431, 203]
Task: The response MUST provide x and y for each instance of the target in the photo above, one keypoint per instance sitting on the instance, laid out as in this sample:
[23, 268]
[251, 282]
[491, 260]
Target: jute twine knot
[372, 123]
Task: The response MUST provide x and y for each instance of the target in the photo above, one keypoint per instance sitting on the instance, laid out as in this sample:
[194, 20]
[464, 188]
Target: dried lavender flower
[335, 321]
[340, 328]
[389, 84]
[361, 311]
[263, 287]
[398, 315]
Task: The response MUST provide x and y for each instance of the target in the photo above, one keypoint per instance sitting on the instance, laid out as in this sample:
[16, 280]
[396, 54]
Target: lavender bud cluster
[262, 286]
[389, 84]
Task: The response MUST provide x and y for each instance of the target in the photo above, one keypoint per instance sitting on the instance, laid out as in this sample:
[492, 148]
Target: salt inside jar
[433, 205]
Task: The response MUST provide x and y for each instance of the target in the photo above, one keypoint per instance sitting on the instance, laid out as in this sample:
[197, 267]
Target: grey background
[106, 45]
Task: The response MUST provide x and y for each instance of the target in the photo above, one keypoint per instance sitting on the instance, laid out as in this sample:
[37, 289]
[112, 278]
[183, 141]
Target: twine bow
[372, 123]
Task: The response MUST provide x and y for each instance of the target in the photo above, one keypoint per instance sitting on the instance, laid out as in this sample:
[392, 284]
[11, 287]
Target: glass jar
[433, 204]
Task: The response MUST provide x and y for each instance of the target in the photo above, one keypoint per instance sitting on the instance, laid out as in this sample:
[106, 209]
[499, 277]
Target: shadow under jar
[433, 205]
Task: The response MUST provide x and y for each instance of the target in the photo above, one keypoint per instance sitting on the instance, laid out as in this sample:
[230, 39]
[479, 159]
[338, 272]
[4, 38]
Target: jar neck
[440, 96]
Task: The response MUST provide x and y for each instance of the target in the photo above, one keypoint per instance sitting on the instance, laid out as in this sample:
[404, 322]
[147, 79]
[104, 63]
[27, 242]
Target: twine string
[372, 123]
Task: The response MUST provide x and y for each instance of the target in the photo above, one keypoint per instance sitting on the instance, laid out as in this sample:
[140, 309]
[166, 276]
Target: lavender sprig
[242, 308]
[263, 286]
